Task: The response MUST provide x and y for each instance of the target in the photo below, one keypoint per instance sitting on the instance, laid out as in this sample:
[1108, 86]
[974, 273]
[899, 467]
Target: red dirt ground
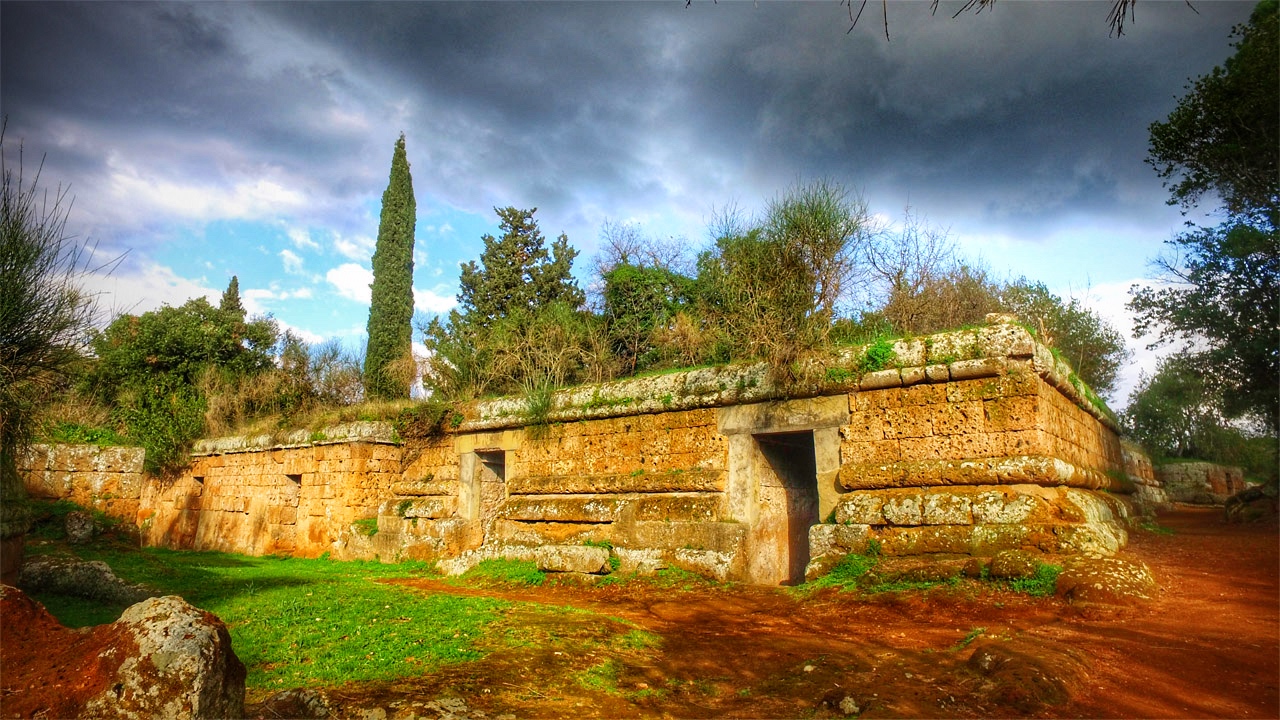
[1207, 646]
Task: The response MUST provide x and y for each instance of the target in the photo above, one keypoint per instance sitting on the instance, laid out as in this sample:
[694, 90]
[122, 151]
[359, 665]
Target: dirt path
[1207, 646]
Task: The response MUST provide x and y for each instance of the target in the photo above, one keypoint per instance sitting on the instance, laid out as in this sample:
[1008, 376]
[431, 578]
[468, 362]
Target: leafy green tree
[1219, 292]
[638, 301]
[1224, 135]
[1093, 348]
[391, 303]
[44, 316]
[1176, 413]
[517, 272]
[150, 367]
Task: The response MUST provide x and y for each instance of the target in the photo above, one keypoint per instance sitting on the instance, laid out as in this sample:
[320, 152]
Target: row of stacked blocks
[976, 442]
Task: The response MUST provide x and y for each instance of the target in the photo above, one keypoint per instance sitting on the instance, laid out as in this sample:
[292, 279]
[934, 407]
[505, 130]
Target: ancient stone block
[880, 379]
[435, 506]
[995, 507]
[876, 399]
[958, 418]
[701, 507]
[715, 536]
[710, 563]
[926, 448]
[562, 508]
[677, 480]
[901, 509]
[914, 375]
[978, 368]
[871, 476]
[860, 508]
[946, 508]
[974, 445]
[561, 558]
[907, 422]
[875, 451]
[839, 539]
[550, 533]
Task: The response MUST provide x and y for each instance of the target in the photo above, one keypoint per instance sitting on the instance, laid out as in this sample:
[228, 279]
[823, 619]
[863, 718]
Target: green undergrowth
[1042, 584]
[49, 520]
[70, 433]
[857, 572]
[500, 571]
[297, 622]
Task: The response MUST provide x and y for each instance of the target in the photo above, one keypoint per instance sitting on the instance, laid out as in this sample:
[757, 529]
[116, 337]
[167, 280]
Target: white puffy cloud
[351, 281]
[301, 239]
[292, 261]
[138, 290]
[255, 299]
[432, 302]
[245, 198]
[355, 247]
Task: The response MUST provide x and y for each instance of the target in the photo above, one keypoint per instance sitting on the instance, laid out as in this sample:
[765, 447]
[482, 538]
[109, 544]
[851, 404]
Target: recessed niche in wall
[495, 462]
[198, 478]
[295, 477]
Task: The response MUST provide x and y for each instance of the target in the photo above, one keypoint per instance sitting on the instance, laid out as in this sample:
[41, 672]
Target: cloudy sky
[211, 140]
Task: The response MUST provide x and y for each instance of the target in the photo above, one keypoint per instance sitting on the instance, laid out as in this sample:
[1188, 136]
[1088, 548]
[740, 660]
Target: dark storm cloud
[1015, 118]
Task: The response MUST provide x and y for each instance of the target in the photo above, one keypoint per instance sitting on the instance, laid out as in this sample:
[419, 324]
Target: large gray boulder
[92, 579]
[178, 663]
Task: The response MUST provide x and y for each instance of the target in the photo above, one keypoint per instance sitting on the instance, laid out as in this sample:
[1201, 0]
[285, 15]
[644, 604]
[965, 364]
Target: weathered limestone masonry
[1202, 483]
[1149, 492]
[301, 497]
[968, 444]
[109, 479]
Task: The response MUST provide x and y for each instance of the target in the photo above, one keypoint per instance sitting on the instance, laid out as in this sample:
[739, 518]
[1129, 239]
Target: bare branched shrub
[926, 287]
[684, 341]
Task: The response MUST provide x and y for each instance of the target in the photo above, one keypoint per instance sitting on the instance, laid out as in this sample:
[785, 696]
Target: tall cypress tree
[391, 306]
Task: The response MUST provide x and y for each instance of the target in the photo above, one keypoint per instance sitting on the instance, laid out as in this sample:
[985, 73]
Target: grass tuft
[500, 571]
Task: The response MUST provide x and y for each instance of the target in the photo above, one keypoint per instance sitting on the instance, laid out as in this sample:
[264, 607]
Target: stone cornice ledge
[943, 357]
[371, 432]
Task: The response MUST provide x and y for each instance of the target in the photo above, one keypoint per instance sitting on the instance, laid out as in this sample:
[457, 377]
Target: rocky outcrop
[163, 658]
[1200, 483]
[92, 580]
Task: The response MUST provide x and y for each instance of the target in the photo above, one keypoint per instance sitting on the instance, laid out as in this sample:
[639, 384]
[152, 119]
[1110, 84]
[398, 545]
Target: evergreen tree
[391, 306]
[517, 272]
[231, 299]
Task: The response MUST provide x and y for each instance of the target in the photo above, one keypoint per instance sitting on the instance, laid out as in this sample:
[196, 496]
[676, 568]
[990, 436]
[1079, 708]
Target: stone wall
[295, 499]
[971, 443]
[1201, 483]
[109, 479]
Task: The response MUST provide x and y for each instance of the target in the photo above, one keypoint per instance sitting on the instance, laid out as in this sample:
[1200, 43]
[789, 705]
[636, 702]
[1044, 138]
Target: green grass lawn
[304, 622]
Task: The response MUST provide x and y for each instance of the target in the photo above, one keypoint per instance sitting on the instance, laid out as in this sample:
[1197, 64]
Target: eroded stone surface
[1093, 579]
[92, 579]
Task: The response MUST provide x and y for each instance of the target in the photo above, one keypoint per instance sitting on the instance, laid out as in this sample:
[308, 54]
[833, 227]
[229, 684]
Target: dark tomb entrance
[791, 457]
